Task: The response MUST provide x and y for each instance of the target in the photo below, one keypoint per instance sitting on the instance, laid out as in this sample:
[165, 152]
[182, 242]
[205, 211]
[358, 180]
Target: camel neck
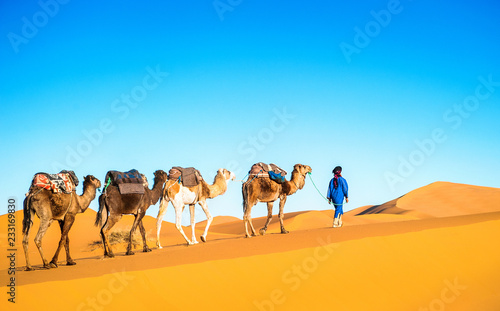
[156, 191]
[296, 183]
[89, 193]
[219, 186]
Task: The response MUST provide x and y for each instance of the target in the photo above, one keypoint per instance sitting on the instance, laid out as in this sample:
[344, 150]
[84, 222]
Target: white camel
[179, 195]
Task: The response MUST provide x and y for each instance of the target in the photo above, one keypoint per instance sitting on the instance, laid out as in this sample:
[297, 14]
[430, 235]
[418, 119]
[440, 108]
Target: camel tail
[27, 222]
[102, 207]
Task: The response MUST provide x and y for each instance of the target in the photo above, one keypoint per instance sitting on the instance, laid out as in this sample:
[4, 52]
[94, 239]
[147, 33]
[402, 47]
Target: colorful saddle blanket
[127, 182]
[272, 171]
[65, 181]
[189, 176]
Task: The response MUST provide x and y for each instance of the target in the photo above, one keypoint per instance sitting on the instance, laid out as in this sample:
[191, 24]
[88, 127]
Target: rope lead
[310, 177]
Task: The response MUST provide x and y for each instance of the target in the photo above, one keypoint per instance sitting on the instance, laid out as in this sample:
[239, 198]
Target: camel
[50, 206]
[263, 189]
[179, 195]
[115, 205]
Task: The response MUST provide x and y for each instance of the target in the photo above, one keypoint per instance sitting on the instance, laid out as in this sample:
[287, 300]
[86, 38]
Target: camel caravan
[53, 197]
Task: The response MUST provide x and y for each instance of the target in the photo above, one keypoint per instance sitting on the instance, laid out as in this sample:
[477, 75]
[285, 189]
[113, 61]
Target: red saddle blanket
[58, 183]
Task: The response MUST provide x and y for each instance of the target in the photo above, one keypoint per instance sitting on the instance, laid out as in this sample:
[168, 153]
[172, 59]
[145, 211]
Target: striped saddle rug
[63, 182]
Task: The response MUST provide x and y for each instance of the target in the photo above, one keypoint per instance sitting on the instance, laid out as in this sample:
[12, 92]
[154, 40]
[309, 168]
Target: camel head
[228, 175]
[91, 180]
[160, 176]
[299, 174]
[302, 169]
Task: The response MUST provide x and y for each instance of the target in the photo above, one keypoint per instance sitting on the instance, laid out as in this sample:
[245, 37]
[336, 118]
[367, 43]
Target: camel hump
[271, 171]
[265, 168]
[189, 176]
[65, 181]
[127, 182]
[72, 175]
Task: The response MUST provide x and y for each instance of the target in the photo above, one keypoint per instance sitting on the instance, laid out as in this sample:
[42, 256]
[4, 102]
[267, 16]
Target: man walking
[337, 191]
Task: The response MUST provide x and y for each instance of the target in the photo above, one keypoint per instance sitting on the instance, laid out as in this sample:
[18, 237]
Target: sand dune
[439, 199]
[429, 249]
[219, 220]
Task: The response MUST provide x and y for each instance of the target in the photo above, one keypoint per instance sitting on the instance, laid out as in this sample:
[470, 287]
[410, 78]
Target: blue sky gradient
[214, 84]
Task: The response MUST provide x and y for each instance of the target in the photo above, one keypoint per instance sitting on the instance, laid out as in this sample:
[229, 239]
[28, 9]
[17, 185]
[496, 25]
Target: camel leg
[145, 247]
[25, 247]
[193, 233]
[65, 226]
[280, 215]
[247, 208]
[53, 262]
[137, 220]
[254, 233]
[247, 219]
[44, 225]
[110, 222]
[26, 243]
[269, 217]
[159, 219]
[246, 216]
[179, 206]
[69, 260]
[204, 206]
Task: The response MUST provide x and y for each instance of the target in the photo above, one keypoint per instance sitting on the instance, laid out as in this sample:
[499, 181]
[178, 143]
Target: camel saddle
[272, 171]
[64, 181]
[130, 182]
[189, 176]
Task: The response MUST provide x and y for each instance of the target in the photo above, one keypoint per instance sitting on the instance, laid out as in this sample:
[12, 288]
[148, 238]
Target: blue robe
[337, 195]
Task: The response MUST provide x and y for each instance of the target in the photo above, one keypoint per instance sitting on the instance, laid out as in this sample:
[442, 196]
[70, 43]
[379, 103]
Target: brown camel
[179, 196]
[115, 204]
[263, 189]
[50, 206]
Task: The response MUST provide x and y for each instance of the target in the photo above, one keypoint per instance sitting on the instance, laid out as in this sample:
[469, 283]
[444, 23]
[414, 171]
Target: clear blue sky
[400, 93]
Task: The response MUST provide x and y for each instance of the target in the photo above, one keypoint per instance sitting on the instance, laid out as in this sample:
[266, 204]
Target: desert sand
[434, 248]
